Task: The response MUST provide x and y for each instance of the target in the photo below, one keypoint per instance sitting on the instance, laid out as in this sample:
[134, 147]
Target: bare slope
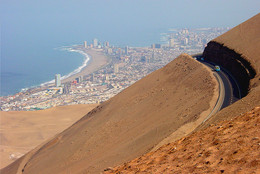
[128, 125]
[228, 147]
[243, 40]
[21, 131]
[232, 146]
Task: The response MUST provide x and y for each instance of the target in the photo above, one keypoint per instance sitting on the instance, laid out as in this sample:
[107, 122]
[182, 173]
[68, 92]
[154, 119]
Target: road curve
[229, 89]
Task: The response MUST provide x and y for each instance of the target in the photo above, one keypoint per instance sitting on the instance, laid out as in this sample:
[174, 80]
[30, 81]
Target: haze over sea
[32, 32]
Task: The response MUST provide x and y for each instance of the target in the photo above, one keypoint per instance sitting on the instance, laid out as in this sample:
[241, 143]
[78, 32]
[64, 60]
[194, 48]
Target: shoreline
[93, 61]
[97, 59]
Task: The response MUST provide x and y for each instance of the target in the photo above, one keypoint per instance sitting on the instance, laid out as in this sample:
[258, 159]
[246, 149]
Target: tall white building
[57, 80]
[171, 43]
[95, 42]
[116, 68]
[85, 44]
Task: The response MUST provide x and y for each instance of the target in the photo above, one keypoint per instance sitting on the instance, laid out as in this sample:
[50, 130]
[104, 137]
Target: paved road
[231, 88]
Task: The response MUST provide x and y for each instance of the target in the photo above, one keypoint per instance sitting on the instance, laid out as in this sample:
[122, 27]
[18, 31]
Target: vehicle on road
[217, 68]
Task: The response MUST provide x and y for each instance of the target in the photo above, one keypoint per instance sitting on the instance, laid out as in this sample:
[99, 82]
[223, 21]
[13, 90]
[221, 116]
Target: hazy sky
[119, 21]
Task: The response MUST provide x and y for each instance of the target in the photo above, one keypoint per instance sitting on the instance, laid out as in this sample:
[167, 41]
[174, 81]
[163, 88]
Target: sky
[119, 21]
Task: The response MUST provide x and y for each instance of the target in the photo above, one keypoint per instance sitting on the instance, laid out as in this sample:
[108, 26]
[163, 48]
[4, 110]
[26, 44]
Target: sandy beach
[97, 60]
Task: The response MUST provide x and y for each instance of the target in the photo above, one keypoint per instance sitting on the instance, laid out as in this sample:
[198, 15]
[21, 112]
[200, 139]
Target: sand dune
[129, 124]
[21, 131]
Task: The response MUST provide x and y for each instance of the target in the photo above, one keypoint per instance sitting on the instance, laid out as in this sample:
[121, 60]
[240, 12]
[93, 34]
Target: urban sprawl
[126, 66]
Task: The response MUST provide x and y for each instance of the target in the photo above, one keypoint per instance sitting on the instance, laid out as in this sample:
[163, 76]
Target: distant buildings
[85, 44]
[79, 79]
[116, 68]
[171, 43]
[126, 50]
[156, 46]
[106, 44]
[57, 80]
[95, 42]
[186, 41]
[109, 51]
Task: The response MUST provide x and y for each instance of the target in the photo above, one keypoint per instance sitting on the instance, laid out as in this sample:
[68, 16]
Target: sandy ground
[22, 131]
[228, 147]
[98, 59]
[129, 124]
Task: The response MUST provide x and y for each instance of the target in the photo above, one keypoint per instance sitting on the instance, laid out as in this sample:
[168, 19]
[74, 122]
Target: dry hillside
[228, 147]
[243, 40]
[129, 124]
[231, 146]
[21, 131]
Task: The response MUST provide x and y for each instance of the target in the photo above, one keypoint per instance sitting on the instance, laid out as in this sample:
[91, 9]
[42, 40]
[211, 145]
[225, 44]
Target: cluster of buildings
[127, 65]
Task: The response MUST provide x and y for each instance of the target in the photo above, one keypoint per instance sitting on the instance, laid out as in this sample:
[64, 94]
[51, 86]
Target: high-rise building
[126, 50]
[186, 41]
[95, 42]
[57, 80]
[79, 79]
[106, 44]
[158, 46]
[119, 52]
[85, 44]
[116, 68]
[171, 43]
[109, 51]
[92, 78]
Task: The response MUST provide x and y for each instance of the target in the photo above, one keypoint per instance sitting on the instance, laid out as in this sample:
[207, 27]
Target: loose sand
[21, 131]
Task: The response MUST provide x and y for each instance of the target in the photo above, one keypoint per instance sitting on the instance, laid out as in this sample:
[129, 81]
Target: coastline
[94, 60]
[97, 59]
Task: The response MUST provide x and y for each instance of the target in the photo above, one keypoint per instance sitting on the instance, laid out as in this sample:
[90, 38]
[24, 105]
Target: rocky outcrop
[238, 66]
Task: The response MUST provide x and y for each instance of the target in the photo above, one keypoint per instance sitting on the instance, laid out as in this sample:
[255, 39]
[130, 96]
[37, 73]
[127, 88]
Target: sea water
[29, 67]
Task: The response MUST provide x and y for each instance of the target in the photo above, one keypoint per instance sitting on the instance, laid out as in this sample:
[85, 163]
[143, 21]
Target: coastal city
[125, 66]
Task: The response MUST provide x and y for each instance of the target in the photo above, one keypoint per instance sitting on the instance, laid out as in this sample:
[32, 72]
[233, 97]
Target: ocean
[23, 68]
[29, 65]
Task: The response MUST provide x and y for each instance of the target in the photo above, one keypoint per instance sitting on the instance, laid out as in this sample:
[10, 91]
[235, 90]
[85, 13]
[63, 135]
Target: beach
[97, 60]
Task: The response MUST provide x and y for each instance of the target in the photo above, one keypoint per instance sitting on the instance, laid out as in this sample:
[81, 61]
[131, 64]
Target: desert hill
[129, 124]
[238, 51]
[21, 131]
[229, 142]
[227, 147]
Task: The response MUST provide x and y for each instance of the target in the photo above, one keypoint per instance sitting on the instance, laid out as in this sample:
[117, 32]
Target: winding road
[229, 91]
